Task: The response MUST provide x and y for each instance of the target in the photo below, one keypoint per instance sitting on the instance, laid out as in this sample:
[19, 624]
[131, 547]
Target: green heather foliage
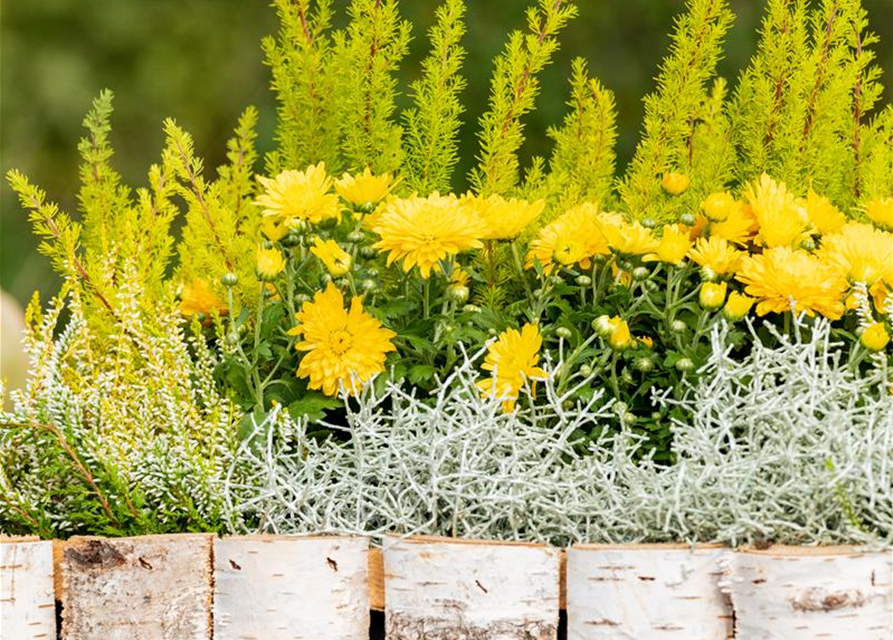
[432, 124]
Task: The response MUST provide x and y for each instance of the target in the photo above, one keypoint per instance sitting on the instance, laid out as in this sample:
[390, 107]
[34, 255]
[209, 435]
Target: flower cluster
[376, 280]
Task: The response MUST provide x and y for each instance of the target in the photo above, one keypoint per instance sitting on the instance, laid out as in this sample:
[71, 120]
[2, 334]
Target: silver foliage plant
[785, 445]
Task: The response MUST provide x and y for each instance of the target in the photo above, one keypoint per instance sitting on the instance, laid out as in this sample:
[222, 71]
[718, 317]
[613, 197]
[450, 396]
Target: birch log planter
[646, 591]
[794, 593]
[198, 587]
[27, 602]
[438, 589]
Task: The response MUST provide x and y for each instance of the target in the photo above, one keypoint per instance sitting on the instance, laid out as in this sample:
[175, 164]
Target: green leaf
[421, 373]
[313, 405]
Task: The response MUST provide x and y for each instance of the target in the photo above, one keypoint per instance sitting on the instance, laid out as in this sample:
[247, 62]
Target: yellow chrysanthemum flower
[270, 263]
[783, 273]
[713, 294]
[513, 359]
[716, 256]
[573, 237]
[880, 291]
[424, 231]
[299, 195]
[504, 218]
[824, 216]
[674, 245]
[365, 190]
[863, 253]
[781, 216]
[675, 183]
[343, 347]
[197, 297]
[630, 238]
[875, 337]
[739, 226]
[737, 306]
[880, 212]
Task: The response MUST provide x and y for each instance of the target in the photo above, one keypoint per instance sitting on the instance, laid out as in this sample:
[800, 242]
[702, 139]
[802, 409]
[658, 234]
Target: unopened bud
[458, 293]
[229, 280]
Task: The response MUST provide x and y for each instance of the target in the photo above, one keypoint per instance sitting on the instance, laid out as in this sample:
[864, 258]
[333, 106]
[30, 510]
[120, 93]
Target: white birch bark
[787, 593]
[27, 602]
[465, 590]
[291, 588]
[659, 592]
[146, 588]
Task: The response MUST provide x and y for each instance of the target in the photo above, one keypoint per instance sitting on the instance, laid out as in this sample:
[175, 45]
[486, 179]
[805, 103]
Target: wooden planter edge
[376, 573]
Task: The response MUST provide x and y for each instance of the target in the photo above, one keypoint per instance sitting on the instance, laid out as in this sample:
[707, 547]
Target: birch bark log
[440, 590]
[806, 594]
[146, 588]
[291, 588]
[27, 602]
[664, 592]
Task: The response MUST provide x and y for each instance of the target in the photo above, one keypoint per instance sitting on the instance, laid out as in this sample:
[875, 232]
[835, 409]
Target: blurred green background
[200, 62]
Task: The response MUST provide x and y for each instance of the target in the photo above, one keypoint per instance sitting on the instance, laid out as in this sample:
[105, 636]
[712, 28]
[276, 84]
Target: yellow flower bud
[718, 206]
[713, 294]
[737, 306]
[336, 260]
[270, 263]
[880, 212]
[675, 183]
[875, 337]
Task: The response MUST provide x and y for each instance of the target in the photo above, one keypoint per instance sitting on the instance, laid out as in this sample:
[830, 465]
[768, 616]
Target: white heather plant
[127, 441]
[785, 445]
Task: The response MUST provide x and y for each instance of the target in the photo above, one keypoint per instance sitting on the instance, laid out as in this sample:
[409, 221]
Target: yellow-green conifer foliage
[432, 124]
[801, 108]
[582, 164]
[684, 130]
[513, 92]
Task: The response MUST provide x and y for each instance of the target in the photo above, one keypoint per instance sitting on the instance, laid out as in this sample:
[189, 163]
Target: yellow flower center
[340, 341]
